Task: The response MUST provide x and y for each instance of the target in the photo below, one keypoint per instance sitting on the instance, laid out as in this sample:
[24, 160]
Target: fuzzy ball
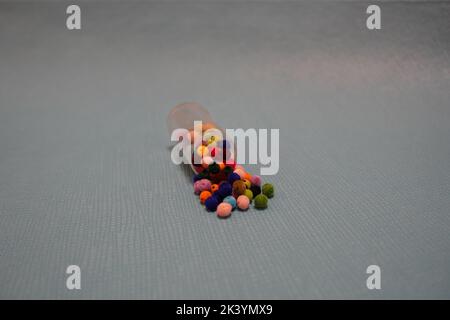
[214, 168]
[204, 195]
[255, 190]
[197, 177]
[233, 177]
[256, 180]
[268, 190]
[202, 185]
[224, 210]
[261, 201]
[247, 176]
[243, 202]
[217, 196]
[238, 188]
[214, 187]
[211, 203]
[231, 200]
[225, 189]
[249, 194]
[227, 170]
[248, 184]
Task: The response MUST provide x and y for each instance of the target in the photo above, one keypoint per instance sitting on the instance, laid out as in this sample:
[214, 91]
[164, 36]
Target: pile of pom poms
[222, 188]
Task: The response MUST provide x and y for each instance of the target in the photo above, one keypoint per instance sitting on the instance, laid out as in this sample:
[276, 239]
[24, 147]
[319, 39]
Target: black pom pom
[227, 170]
[255, 190]
[214, 168]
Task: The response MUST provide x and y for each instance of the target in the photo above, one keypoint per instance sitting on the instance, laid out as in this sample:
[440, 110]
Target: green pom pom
[261, 201]
[268, 190]
[249, 194]
[214, 168]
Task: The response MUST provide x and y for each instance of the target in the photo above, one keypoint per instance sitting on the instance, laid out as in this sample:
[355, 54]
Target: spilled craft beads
[223, 187]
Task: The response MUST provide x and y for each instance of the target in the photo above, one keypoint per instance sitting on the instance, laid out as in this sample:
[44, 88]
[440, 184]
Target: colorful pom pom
[268, 190]
[231, 200]
[224, 210]
[201, 185]
[249, 194]
[243, 202]
[204, 195]
[214, 187]
[238, 188]
[255, 190]
[211, 203]
[233, 177]
[261, 201]
[256, 180]
[214, 168]
[225, 189]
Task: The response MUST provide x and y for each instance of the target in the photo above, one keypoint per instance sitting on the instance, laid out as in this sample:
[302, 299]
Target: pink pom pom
[243, 202]
[224, 210]
[202, 185]
[256, 180]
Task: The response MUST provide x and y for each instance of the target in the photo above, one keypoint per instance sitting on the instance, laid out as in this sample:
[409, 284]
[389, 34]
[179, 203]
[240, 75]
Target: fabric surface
[85, 170]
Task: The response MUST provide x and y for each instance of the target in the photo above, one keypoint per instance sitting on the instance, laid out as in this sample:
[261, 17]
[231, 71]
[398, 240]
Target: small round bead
[261, 201]
[217, 196]
[214, 168]
[204, 195]
[214, 187]
[243, 202]
[233, 177]
[201, 185]
[268, 190]
[238, 188]
[211, 203]
[225, 189]
[231, 200]
[224, 210]
[227, 170]
[256, 180]
[255, 190]
[249, 194]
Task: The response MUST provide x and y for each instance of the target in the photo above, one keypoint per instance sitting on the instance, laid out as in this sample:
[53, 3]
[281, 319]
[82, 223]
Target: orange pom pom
[204, 195]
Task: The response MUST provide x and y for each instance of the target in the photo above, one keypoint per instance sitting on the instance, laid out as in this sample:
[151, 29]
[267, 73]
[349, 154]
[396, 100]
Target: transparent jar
[183, 116]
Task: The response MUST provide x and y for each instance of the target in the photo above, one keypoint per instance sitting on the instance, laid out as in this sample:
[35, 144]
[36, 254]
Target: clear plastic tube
[183, 116]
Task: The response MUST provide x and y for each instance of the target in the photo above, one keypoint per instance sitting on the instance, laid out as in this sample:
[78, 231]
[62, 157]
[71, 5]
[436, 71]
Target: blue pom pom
[233, 177]
[196, 178]
[217, 196]
[225, 189]
[231, 200]
[211, 203]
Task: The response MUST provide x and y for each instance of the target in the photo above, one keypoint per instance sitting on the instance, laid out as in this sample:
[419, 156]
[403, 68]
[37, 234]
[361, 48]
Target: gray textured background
[86, 178]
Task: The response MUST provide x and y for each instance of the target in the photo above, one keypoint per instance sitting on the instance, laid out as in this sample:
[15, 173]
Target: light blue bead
[231, 200]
